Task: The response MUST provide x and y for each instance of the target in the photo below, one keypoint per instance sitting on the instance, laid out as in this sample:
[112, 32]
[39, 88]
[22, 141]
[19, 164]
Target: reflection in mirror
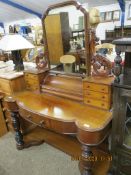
[32, 53]
[65, 35]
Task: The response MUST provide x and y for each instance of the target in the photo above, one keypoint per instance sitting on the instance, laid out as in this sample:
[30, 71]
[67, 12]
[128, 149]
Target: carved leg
[86, 163]
[18, 134]
[13, 108]
[20, 144]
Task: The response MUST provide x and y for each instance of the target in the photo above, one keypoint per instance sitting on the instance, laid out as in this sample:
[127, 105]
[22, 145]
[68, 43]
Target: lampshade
[14, 42]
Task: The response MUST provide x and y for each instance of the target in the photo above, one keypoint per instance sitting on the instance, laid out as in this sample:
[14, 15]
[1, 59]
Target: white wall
[72, 12]
[1, 30]
[102, 27]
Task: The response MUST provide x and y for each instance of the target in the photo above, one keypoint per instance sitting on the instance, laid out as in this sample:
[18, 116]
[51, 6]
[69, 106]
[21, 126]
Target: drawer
[30, 76]
[31, 82]
[96, 87]
[55, 125]
[97, 103]
[31, 87]
[35, 119]
[96, 95]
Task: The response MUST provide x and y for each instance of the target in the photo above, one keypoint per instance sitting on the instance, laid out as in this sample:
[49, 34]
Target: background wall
[102, 27]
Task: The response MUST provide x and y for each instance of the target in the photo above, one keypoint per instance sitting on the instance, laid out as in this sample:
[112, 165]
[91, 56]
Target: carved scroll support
[101, 66]
[13, 109]
[86, 163]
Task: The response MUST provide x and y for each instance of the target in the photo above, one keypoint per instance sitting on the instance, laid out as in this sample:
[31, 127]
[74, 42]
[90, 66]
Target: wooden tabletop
[84, 116]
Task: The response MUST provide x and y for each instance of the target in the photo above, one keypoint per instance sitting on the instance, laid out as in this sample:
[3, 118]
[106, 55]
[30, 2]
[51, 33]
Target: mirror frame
[86, 26]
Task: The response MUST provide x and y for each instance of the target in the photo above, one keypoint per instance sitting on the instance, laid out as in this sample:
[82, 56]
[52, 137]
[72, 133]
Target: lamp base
[19, 67]
[17, 60]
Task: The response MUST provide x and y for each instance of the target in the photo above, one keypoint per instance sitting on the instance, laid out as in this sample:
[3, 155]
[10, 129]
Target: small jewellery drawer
[96, 87]
[30, 76]
[97, 103]
[96, 95]
[34, 118]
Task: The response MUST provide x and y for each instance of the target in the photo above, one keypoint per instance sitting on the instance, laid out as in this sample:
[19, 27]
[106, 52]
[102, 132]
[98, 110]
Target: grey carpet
[39, 160]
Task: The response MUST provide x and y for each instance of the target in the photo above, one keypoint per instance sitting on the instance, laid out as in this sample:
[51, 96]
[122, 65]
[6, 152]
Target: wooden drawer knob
[103, 96]
[42, 123]
[88, 101]
[88, 86]
[102, 104]
[103, 89]
[29, 117]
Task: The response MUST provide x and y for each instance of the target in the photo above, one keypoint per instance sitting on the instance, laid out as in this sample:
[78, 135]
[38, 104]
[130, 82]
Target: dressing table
[74, 108]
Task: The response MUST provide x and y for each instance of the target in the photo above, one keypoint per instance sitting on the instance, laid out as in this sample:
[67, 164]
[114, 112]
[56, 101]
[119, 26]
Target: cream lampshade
[15, 43]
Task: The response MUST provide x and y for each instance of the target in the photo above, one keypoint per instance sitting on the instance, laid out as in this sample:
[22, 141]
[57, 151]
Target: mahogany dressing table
[67, 104]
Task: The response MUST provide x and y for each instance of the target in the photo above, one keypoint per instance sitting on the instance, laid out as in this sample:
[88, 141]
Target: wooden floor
[72, 147]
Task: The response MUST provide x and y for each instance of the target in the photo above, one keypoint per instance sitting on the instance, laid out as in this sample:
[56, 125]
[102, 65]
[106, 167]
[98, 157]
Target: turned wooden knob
[42, 123]
[29, 117]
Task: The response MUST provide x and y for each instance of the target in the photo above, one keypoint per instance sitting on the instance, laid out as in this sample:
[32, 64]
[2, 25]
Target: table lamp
[15, 43]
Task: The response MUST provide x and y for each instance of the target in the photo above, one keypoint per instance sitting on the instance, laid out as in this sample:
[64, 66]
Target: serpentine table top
[83, 117]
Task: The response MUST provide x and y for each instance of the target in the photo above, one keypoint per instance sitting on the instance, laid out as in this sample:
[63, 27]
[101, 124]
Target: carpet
[39, 160]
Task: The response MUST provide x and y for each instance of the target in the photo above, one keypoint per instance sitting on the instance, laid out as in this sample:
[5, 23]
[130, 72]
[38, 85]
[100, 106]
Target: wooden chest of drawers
[33, 79]
[97, 92]
[9, 86]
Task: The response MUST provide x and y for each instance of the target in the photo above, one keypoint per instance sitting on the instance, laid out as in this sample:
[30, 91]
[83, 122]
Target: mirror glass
[65, 35]
[31, 54]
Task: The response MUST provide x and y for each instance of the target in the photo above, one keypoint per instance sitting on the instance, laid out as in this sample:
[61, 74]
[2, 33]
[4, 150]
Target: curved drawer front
[42, 121]
[94, 137]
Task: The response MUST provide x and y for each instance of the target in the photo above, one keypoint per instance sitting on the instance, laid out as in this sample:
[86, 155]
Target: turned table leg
[18, 134]
[87, 161]
[15, 117]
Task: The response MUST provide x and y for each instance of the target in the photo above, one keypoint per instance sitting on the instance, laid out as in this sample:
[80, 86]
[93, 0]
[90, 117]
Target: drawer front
[58, 126]
[32, 80]
[96, 87]
[97, 103]
[30, 76]
[5, 86]
[96, 95]
[32, 86]
[34, 118]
